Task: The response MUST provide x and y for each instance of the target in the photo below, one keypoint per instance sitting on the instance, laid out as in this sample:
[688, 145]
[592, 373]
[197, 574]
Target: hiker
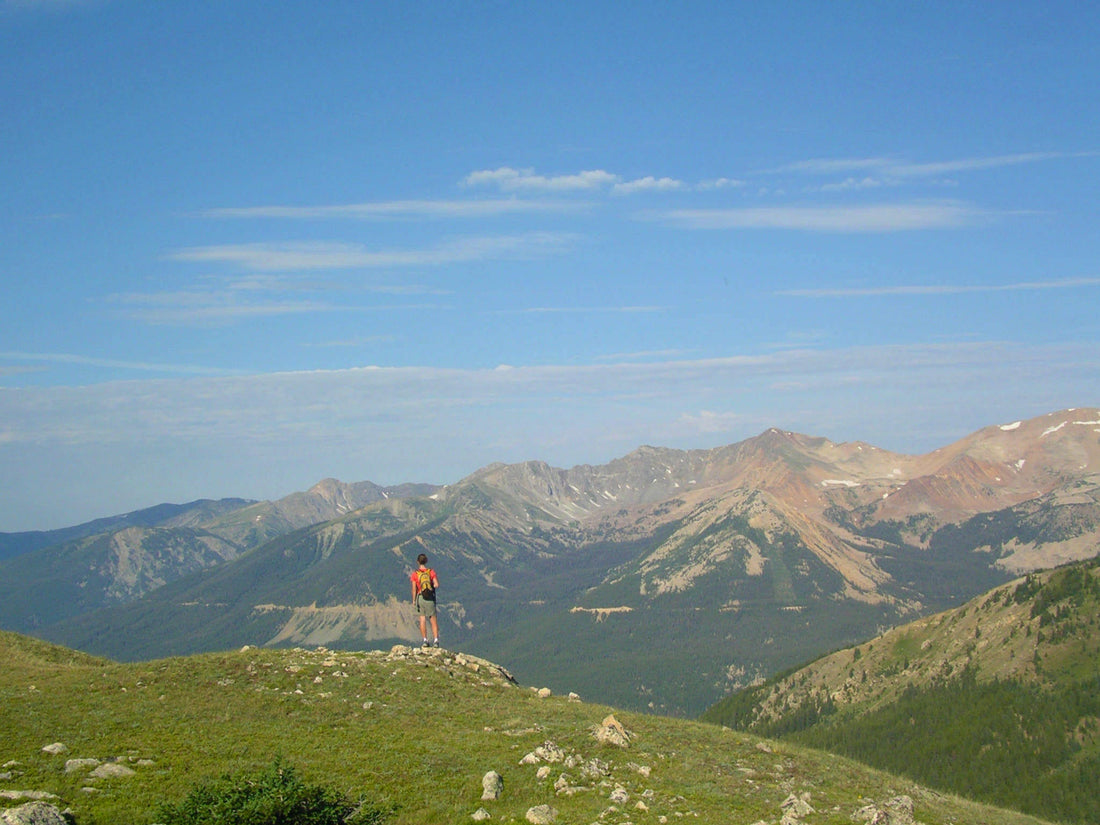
[424, 584]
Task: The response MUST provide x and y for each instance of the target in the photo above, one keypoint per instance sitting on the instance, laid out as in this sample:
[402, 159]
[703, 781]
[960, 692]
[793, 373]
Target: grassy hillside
[411, 731]
[998, 700]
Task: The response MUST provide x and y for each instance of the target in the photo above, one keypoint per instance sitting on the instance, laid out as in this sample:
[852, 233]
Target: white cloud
[840, 219]
[877, 171]
[107, 445]
[646, 184]
[298, 256]
[109, 363]
[852, 184]
[394, 209]
[939, 289]
[973, 164]
[833, 166]
[206, 307]
[585, 310]
[510, 179]
[367, 403]
[720, 183]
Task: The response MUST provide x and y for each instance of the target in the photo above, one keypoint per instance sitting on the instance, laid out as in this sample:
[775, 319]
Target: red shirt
[415, 576]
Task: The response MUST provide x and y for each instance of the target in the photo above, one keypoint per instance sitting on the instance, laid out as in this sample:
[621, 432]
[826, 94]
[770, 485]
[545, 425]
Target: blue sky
[245, 246]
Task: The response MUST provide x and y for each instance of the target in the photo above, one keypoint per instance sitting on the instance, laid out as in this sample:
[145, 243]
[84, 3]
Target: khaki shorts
[425, 607]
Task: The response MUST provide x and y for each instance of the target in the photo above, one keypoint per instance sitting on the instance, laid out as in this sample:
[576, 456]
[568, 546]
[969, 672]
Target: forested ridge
[983, 722]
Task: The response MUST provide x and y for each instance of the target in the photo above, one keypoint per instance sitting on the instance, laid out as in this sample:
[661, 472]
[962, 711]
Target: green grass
[416, 734]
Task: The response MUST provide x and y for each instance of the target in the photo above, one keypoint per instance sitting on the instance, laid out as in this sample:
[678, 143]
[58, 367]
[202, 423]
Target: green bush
[276, 796]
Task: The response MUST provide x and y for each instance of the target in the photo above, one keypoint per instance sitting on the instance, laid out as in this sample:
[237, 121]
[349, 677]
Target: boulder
[898, 811]
[74, 765]
[111, 769]
[492, 785]
[611, 732]
[541, 815]
[32, 813]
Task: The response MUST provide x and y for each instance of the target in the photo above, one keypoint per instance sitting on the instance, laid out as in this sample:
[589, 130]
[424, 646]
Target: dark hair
[421, 559]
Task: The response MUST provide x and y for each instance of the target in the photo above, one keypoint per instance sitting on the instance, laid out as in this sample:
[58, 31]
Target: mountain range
[662, 580]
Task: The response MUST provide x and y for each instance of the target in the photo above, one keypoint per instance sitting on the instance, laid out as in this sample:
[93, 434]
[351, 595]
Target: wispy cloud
[903, 217]
[585, 310]
[938, 289]
[509, 179]
[368, 403]
[873, 172]
[643, 355]
[646, 184]
[271, 434]
[298, 256]
[517, 180]
[207, 307]
[110, 363]
[720, 183]
[351, 343]
[395, 209]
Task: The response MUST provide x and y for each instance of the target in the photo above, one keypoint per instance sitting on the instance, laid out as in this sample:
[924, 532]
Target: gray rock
[611, 732]
[797, 806]
[541, 815]
[480, 815]
[55, 748]
[32, 813]
[492, 785]
[898, 811]
[546, 752]
[74, 765]
[111, 769]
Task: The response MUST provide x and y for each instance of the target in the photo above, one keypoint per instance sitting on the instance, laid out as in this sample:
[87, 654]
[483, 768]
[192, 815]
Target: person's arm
[413, 591]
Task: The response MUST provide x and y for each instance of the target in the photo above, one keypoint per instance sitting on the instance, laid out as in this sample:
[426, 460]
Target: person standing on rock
[424, 584]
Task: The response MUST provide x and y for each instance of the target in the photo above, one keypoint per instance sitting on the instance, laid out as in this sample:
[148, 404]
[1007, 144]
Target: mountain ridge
[1000, 694]
[766, 552]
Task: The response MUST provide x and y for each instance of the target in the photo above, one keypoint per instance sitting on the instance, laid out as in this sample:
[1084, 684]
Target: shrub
[275, 796]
